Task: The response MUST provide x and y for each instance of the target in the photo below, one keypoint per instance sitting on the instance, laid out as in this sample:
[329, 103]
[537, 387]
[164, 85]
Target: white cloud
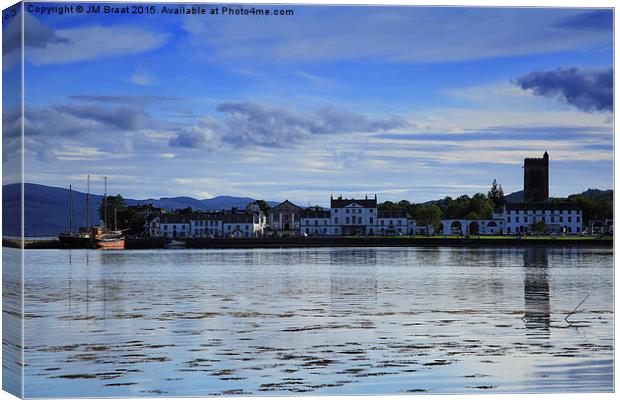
[141, 78]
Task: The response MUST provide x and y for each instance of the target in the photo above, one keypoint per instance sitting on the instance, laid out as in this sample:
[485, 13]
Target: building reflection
[353, 277]
[536, 293]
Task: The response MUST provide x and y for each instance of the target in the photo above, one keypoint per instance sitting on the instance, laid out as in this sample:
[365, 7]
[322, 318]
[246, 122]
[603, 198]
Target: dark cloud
[46, 129]
[198, 136]
[248, 124]
[588, 89]
[122, 118]
[600, 20]
[36, 35]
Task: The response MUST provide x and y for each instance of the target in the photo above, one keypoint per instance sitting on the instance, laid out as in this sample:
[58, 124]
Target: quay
[346, 241]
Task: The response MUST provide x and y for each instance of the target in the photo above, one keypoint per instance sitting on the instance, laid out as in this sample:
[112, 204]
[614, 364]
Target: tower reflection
[536, 293]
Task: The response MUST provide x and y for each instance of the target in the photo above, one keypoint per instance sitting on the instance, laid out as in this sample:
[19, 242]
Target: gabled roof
[286, 205]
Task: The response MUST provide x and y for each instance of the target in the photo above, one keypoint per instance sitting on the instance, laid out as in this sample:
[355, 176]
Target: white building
[174, 226]
[315, 221]
[242, 224]
[392, 222]
[207, 224]
[559, 217]
[518, 218]
[354, 217]
[152, 227]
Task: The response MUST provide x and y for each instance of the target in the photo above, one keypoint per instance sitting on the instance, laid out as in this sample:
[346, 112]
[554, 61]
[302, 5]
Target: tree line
[596, 205]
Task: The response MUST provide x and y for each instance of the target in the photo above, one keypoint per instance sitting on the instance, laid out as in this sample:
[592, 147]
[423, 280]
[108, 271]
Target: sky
[411, 103]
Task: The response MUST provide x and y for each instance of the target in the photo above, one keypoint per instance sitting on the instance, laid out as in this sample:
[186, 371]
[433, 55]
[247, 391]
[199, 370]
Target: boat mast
[88, 201]
[105, 202]
[115, 226]
[70, 210]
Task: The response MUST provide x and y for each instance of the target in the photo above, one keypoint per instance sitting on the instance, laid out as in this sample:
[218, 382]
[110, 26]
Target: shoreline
[309, 242]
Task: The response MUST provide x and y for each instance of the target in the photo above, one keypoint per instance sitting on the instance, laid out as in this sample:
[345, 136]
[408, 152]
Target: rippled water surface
[317, 321]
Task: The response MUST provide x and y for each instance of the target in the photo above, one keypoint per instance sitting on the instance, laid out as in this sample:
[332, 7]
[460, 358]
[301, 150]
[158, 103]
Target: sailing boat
[81, 238]
[110, 239]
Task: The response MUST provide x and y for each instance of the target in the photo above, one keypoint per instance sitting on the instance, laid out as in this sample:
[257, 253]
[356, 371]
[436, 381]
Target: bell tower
[536, 179]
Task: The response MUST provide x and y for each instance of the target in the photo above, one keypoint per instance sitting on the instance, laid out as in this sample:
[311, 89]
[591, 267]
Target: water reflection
[320, 321]
[353, 279]
[536, 293]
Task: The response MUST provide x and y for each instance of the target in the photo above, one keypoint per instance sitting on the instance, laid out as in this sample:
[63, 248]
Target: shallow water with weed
[317, 321]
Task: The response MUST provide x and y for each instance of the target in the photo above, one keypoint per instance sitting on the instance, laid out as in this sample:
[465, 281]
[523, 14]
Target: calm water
[317, 321]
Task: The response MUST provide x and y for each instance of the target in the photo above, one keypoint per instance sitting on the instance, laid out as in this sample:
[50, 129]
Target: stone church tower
[536, 179]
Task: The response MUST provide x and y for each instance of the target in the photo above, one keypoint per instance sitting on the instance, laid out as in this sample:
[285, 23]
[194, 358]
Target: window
[359, 220]
[578, 219]
[347, 211]
[347, 221]
[316, 222]
[570, 219]
[336, 220]
[371, 220]
[561, 219]
[508, 220]
[517, 220]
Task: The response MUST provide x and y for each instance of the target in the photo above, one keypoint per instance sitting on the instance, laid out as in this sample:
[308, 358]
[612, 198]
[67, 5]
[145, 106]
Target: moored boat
[105, 242]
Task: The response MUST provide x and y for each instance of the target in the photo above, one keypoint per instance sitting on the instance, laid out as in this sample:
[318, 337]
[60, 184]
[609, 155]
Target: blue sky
[406, 102]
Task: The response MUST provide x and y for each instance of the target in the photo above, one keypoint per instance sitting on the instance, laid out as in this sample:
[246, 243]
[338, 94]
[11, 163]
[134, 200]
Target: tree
[427, 215]
[185, 211]
[481, 206]
[113, 203]
[496, 195]
[263, 205]
[387, 205]
[502, 197]
[132, 220]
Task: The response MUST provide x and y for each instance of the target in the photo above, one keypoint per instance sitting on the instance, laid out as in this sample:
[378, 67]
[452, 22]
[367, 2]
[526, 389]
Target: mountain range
[47, 207]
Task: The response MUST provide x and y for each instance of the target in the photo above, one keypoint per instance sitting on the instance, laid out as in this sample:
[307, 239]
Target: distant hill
[47, 207]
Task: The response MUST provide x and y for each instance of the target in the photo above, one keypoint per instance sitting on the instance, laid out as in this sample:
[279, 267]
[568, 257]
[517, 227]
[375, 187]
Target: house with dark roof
[353, 217]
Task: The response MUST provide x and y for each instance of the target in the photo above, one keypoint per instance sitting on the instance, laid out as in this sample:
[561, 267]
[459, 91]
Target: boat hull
[110, 244]
[74, 241]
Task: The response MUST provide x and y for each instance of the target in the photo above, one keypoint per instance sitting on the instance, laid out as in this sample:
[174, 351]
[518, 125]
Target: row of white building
[359, 217]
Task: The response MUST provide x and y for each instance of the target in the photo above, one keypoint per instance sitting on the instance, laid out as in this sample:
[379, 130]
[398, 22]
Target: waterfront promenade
[347, 241]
